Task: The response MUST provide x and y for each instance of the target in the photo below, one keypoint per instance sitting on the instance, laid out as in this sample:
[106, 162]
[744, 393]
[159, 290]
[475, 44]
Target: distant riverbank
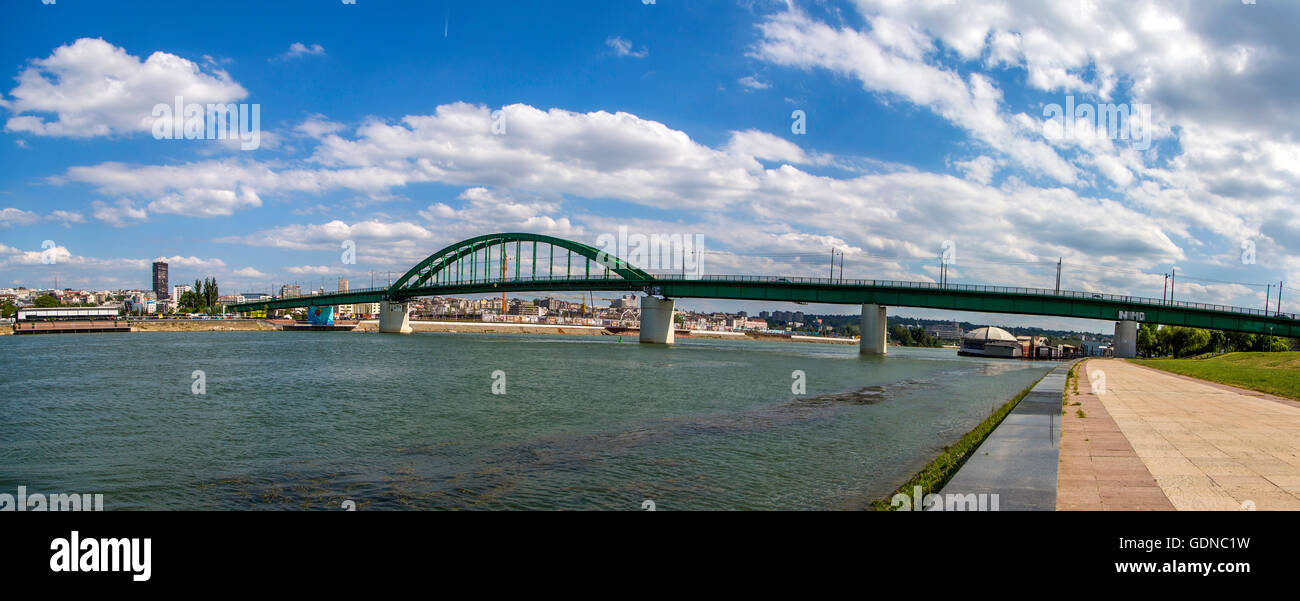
[480, 327]
[203, 325]
[458, 327]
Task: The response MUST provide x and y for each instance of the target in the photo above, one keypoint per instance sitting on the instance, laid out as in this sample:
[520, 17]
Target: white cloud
[120, 214]
[752, 82]
[249, 272]
[96, 89]
[793, 39]
[299, 49]
[11, 216]
[67, 217]
[623, 47]
[318, 126]
[192, 262]
[978, 169]
[762, 145]
[206, 202]
[312, 270]
[382, 242]
[487, 210]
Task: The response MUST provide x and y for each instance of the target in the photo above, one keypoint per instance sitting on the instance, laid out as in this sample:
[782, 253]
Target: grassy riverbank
[1273, 373]
[937, 473]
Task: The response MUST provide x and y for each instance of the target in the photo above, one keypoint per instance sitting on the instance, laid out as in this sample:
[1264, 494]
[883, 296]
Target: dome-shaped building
[990, 342]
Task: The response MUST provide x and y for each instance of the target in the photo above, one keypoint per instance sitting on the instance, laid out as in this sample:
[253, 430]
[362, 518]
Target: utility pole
[1279, 298]
[1164, 292]
[1268, 295]
[841, 267]
[1172, 277]
[1058, 274]
[832, 275]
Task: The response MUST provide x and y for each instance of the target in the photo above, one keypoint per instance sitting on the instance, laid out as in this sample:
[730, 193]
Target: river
[309, 420]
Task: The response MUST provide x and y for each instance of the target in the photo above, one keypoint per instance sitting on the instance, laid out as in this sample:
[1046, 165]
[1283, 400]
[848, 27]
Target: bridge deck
[957, 297]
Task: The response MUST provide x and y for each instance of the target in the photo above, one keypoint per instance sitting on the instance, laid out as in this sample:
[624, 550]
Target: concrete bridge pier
[394, 317]
[657, 320]
[1126, 339]
[872, 341]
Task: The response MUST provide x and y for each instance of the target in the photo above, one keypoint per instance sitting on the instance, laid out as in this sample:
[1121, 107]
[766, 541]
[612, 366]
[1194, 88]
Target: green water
[293, 420]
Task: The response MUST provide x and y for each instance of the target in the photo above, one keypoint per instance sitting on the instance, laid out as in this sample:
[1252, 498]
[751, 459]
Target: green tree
[46, 301]
[1183, 342]
[1147, 343]
[1218, 341]
[901, 335]
[8, 310]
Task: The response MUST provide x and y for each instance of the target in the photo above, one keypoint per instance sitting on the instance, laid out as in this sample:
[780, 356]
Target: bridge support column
[1126, 338]
[872, 341]
[394, 317]
[657, 320]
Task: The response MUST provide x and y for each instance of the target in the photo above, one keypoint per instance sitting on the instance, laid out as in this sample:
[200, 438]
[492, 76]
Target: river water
[294, 420]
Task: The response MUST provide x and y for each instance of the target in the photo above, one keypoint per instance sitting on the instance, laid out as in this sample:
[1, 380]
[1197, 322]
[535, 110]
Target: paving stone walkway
[1205, 446]
[1099, 469]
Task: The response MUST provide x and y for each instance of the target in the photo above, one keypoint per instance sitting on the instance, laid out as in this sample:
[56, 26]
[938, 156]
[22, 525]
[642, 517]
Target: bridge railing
[327, 293]
[1048, 292]
[669, 277]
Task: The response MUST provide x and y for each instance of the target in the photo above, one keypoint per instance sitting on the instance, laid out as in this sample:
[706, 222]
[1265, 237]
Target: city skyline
[777, 136]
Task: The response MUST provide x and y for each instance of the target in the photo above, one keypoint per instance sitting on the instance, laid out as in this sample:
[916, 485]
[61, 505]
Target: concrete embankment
[1019, 459]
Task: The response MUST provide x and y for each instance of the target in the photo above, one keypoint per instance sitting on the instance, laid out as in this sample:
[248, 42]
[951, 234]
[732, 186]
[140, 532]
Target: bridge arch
[471, 260]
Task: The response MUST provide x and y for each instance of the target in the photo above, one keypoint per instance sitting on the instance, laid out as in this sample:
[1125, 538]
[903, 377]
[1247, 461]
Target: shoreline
[482, 327]
[459, 327]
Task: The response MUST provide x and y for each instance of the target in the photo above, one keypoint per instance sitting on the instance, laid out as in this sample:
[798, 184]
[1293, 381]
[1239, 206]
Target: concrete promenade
[1018, 461]
[1153, 440]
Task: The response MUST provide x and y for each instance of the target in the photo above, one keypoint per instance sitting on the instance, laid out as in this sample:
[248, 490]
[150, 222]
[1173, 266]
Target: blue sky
[925, 123]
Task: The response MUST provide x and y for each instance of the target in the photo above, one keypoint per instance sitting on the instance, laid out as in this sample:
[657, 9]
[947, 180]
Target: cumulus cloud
[318, 126]
[119, 214]
[10, 216]
[897, 68]
[753, 83]
[94, 88]
[485, 210]
[978, 169]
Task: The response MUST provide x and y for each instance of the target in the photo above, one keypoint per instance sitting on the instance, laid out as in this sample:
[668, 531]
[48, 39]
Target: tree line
[1178, 341]
[202, 299]
[913, 336]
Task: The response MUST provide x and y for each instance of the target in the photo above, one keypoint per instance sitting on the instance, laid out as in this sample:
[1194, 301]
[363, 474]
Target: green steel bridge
[543, 263]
